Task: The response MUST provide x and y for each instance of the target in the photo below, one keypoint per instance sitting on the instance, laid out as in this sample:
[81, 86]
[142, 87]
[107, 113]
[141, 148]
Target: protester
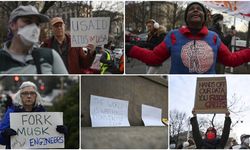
[74, 58]
[210, 141]
[217, 25]
[28, 100]
[121, 64]
[234, 144]
[193, 48]
[172, 144]
[108, 60]
[229, 37]
[189, 144]
[156, 34]
[21, 54]
[245, 141]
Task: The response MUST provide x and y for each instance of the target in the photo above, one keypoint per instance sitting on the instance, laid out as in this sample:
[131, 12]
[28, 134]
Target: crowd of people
[24, 53]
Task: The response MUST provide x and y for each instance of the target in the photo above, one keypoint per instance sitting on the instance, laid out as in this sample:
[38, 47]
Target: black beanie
[203, 9]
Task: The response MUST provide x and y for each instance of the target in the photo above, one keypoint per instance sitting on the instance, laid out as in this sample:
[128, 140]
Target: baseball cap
[27, 11]
[56, 20]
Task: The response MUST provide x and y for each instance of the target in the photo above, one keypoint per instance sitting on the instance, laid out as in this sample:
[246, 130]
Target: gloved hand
[8, 132]
[62, 129]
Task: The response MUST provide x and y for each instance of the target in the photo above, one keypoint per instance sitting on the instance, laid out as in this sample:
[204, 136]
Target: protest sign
[211, 95]
[36, 130]
[151, 116]
[96, 62]
[108, 112]
[86, 31]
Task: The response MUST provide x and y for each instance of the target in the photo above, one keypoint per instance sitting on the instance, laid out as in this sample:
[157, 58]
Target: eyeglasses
[28, 93]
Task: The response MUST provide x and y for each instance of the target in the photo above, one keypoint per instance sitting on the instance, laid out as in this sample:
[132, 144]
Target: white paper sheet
[108, 112]
[151, 116]
[36, 130]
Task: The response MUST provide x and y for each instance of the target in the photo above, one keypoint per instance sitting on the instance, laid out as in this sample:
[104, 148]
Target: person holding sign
[193, 48]
[28, 100]
[210, 141]
[21, 54]
[74, 58]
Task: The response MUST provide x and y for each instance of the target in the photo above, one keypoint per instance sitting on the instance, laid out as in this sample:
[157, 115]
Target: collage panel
[209, 112]
[61, 37]
[187, 37]
[39, 112]
[127, 112]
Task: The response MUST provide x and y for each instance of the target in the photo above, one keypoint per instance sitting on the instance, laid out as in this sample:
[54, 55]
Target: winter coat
[77, 59]
[156, 37]
[47, 60]
[218, 143]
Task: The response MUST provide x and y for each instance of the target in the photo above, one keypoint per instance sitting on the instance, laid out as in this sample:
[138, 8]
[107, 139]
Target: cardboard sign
[86, 31]
[211, 95]
[108, 112]
[36, 130]
[151, 116]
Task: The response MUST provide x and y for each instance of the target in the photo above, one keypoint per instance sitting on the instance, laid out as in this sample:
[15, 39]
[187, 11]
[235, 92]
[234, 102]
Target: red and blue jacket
[191, 54]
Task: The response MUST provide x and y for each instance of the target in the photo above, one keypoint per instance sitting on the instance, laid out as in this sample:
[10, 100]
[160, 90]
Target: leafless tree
[177, 123]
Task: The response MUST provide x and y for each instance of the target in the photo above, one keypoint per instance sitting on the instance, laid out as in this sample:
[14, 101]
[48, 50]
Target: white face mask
[29, 34]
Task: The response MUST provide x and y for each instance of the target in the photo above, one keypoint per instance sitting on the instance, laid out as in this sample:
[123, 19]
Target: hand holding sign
[8, 132]
[62, 129]
[91, 48]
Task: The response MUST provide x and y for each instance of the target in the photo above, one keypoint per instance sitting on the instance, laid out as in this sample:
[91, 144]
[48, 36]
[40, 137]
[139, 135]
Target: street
[134, 66]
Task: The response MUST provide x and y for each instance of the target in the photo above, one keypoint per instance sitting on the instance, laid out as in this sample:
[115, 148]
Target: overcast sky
[117, 5]
[182, 93]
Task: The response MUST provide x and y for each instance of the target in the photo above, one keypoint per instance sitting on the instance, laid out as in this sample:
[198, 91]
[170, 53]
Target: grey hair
[18, 99]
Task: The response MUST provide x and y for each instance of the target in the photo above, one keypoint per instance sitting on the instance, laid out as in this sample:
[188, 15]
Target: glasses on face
[28, 94]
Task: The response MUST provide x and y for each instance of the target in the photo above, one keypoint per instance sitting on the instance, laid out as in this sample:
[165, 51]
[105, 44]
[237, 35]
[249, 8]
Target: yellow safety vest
[104, 67]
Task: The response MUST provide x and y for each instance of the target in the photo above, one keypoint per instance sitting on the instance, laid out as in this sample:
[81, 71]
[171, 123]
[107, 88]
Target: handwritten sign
[108, 112]
[86, 31]
[36, 130]
[151, 116]
[211, 95]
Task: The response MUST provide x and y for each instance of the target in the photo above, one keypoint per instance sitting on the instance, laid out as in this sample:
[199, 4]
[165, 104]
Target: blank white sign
[151, 116]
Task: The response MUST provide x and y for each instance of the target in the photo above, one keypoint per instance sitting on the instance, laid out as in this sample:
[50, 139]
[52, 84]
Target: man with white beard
[21, 54]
